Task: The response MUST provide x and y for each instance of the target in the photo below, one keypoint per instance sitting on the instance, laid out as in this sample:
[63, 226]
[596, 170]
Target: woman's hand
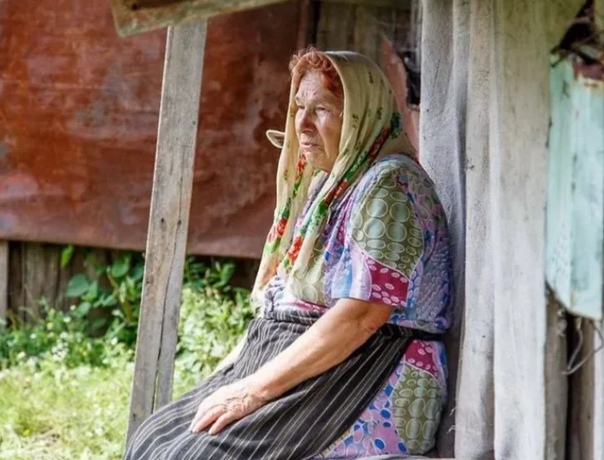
[226, 405]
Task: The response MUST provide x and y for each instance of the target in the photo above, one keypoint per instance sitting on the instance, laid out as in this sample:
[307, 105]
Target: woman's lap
[297, 425]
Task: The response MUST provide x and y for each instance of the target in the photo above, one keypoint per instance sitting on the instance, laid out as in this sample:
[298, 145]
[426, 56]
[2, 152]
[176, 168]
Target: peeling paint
[593, 71]
[575, 211]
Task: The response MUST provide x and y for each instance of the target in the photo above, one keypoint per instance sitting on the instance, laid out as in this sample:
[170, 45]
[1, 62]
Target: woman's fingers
[225, 419]
[224, 406]
[205, 417]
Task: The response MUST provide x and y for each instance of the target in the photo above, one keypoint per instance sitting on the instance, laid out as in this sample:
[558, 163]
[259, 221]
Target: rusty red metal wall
[78, 122]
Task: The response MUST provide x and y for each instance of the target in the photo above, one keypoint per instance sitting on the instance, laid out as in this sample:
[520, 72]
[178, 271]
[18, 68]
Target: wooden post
[3, 282]
[598, 397]
[168, 221]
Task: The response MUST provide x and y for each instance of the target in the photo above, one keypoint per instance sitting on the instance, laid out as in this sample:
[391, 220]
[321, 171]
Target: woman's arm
[332, 339]
[328, 342]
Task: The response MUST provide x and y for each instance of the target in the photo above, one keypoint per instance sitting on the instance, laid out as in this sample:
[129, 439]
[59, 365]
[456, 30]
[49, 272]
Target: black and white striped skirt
[300, 424]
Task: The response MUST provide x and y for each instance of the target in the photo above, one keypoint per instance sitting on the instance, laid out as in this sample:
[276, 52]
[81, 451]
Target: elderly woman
[344, 359]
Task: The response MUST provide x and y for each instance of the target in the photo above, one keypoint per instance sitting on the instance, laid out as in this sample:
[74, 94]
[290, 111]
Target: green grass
[51, 412]
[55, 413]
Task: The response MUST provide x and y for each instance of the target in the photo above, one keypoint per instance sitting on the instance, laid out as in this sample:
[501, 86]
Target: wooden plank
[444, 83]
[3, 282]
[133, 17]
[586, 436]
[39, 277]
[474, 398]
[393, 4]
[136, 16]
[520, 113]
[598, 395]
[581, 396]
[357, 28]
[168, 221]
[556, 381]
[599, 23]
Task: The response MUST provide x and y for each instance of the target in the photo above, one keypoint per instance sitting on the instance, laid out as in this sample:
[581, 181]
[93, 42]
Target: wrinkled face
[318, 121]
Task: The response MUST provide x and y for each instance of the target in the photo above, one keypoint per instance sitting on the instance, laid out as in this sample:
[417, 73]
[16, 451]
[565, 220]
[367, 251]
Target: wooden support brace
[3, 282]
[168, 221]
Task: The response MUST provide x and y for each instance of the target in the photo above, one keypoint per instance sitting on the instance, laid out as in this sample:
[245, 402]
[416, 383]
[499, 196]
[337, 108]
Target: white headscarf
[371, 128]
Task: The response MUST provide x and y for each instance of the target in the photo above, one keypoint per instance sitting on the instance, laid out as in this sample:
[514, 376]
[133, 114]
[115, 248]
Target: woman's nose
[305, 121]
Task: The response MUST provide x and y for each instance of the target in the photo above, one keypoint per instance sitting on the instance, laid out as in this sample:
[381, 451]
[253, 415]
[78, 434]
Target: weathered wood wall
[3, 282]
[36, 276]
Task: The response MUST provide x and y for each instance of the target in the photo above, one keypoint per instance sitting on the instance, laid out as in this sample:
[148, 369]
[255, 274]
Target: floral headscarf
[371, 128]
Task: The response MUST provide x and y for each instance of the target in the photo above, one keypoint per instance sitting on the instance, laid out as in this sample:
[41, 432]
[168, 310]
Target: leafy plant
[59, 337]
[116, 289]
[210, 326]
[103, 320]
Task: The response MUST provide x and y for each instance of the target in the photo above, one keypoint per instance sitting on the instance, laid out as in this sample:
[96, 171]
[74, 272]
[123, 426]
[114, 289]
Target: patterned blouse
[387, 242]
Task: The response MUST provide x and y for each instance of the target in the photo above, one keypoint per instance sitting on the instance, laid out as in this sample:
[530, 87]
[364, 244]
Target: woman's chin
[315, 160]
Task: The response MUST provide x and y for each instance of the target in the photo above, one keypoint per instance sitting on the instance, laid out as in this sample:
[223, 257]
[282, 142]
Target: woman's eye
[322, 109]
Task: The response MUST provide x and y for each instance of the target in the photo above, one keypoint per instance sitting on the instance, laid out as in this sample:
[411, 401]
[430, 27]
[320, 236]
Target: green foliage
[211, 324]
[67, 255]
[102, 322]
[59, 337]
[114, 293]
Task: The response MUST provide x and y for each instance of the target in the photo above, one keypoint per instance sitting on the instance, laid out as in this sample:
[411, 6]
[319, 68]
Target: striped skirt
[298, 425]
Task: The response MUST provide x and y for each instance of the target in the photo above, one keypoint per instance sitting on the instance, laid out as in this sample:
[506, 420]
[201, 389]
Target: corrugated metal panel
[575, 209]
[78, 122]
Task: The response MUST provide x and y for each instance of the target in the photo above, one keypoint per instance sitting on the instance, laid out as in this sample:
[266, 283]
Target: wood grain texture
[168, 221]
[444, 86]
[598, 395]
[137, 16]
[344, 26]
[3, 282]
[586, 416]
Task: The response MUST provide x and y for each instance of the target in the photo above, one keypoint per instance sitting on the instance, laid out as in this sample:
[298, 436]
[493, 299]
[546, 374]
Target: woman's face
[318, 121]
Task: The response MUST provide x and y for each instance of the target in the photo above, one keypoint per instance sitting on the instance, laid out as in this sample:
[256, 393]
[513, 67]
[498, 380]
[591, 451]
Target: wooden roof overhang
[137, 16]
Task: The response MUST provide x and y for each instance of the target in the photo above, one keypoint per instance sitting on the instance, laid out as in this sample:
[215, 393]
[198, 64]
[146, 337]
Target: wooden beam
[133, 17]
[168, 221]
[394, 4]
[3, 282]
[136, 16]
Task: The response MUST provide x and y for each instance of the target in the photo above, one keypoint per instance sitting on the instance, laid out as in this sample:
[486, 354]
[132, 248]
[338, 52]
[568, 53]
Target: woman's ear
[276, 137]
